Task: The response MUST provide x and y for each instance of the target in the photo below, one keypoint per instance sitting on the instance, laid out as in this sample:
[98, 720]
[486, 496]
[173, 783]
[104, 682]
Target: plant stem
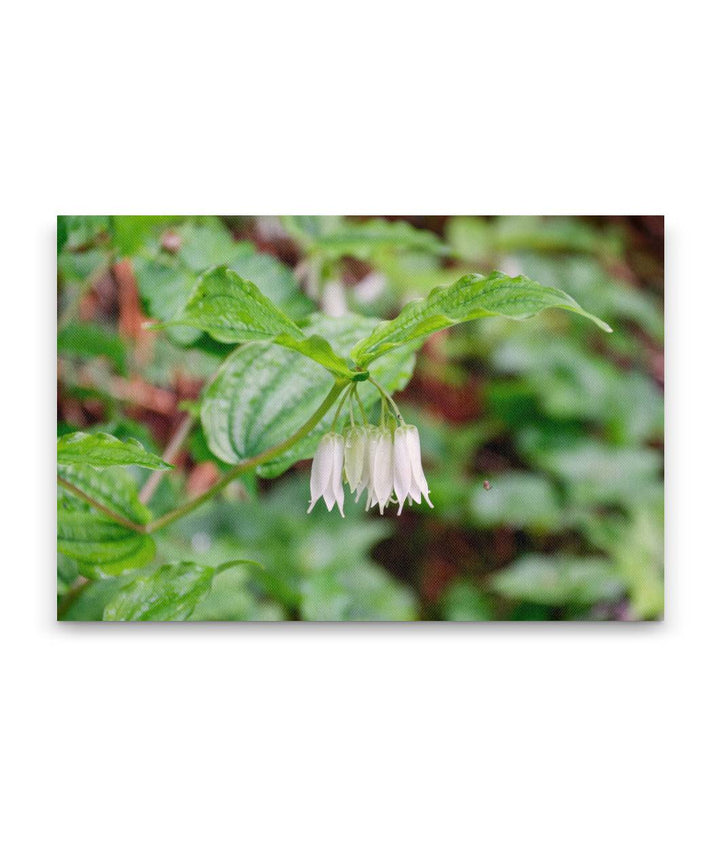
[108, 512]
[72, 595]
[339, 407]
[362, 408]
[388, 397]
[248, 464]
[251, 463]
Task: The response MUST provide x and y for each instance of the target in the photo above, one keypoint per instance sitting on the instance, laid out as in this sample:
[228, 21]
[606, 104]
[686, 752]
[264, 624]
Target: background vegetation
[542, 440]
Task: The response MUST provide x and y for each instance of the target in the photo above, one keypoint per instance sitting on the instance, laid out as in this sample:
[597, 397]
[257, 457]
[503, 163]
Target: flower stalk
[241, 467]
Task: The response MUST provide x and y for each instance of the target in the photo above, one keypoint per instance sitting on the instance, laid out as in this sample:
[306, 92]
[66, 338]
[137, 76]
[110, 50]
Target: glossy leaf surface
[171, 593]
[234, 310]
[99, 544]
[472, 296]
[104, 450]
[264, 393]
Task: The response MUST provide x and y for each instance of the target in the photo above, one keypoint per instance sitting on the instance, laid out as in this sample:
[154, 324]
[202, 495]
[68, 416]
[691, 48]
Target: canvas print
[360, 418]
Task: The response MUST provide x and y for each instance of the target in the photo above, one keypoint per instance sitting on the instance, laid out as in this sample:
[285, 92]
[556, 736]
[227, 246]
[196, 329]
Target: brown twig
[142, 394]
[173, 447]
[131, 323]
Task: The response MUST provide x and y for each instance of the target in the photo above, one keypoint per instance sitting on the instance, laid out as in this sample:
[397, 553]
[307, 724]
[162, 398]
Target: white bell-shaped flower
[327, 473]
[402, 468]
[356, 441]
[372, 435]
[381, 470]
[408, 477]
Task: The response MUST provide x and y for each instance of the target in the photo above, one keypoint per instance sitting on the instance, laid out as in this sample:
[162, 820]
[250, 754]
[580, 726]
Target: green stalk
[251, 463]
[362, 408]
[231, 475]
[339, 407]
[388, 398]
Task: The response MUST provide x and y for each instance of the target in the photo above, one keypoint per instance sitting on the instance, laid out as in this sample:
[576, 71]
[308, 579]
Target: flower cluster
[385, 463]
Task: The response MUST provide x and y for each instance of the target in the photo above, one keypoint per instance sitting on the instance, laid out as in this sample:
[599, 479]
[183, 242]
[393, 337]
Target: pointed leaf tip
[472, 296]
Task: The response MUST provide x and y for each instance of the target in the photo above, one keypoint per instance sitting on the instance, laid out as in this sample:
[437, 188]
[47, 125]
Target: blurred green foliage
[542, 441]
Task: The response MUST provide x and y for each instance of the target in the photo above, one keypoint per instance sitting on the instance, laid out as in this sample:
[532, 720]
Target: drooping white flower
[402, 468]
[356, 441]
[371, 441]
[380, 487]
[327, 472]
[408, 476]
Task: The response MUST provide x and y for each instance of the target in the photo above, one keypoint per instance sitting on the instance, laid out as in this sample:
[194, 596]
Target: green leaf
[472, 296]
[165, 286]
[104, 450]
[334, 237]
[362, 592]
[116, 489]
[78, 268]
[207, 243]
[319, 350]
[167, 281]
[264, 393]
[463, 601]
[517, 499]
[321, 571]
[67, 572]
[363, 240]
[276, 281]
[596, 473]
[475, 238]
[90, 602]
[559, 580]
[130, 232]
[89, 340]
[233, 309]
[232, 597]
[291, 546]
[571, 383]
[635, 543]
[602, 294]
[171, 593]
[98, 543]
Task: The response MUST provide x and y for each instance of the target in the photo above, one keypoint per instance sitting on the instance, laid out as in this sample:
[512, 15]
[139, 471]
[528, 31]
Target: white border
[405, 739]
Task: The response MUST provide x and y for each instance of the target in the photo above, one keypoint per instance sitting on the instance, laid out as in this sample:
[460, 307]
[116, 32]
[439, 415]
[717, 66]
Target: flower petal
[419, 482]
[383, 470]
[321, 470]
[402, 470]
[355, 443]
[337, 484]
[367, 477]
